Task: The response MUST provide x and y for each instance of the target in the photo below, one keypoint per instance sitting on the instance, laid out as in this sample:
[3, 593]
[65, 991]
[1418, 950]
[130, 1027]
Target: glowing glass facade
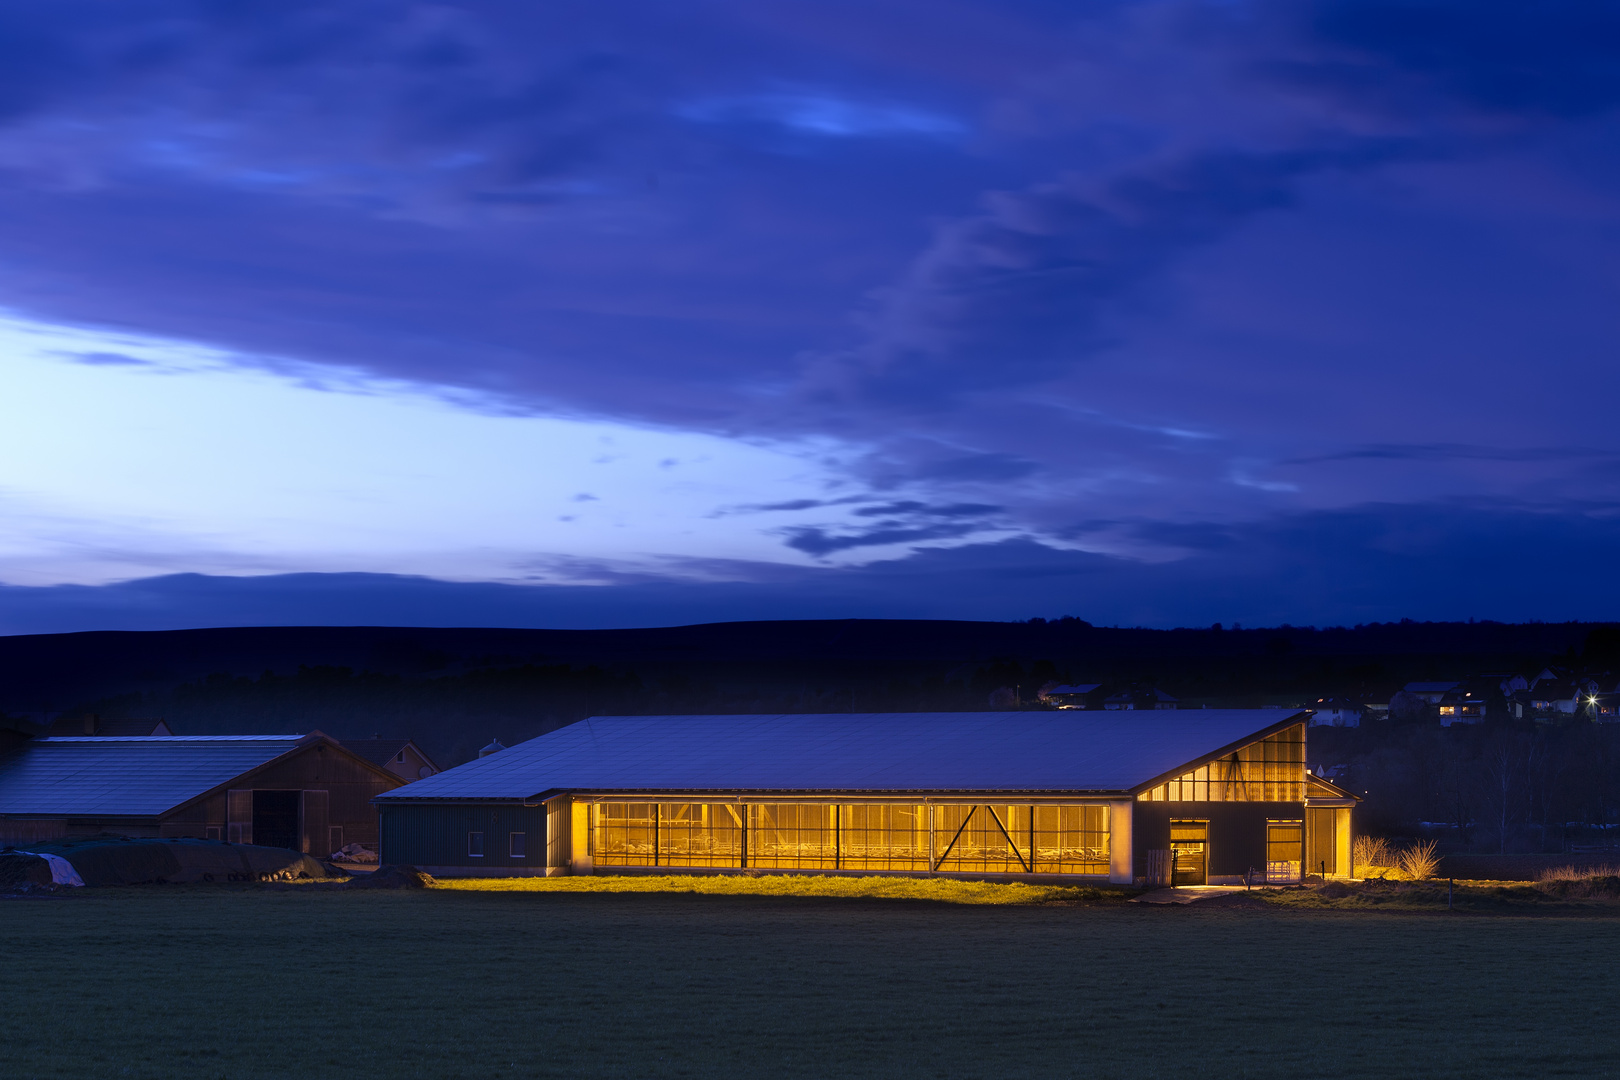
[1285, 851]
[1271, 770]
[917, 837]
[669, 834]
[793, 836]
[1023, 839]
[1322, 830]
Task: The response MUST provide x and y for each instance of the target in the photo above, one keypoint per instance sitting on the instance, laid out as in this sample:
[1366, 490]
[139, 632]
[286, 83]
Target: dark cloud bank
[1289, 290]
[1340, 568]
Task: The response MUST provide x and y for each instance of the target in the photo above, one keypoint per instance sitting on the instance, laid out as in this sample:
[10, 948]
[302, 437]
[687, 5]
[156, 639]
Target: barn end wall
[1237, 833]
[435, 838]
[349, 782]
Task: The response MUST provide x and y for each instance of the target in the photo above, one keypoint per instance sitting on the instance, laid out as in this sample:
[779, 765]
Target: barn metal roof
[135, 776]
[939, 752]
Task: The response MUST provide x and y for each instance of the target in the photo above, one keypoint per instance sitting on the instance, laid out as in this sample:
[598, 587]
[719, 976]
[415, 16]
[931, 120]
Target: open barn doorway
[1189, 852]
[275, 819]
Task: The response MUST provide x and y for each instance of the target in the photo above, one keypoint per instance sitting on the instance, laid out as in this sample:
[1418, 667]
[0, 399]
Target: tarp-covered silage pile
[117, 860]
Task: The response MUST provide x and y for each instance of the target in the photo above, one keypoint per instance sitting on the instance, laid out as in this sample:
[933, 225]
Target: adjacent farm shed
[402, 757]
[304, 792]
[1193, 796]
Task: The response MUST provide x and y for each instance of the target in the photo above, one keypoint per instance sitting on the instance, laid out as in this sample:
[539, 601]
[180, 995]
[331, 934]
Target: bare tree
[1505, 764]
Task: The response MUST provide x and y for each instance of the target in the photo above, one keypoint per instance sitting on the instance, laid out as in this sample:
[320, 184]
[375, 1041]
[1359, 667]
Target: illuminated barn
[1206, 795]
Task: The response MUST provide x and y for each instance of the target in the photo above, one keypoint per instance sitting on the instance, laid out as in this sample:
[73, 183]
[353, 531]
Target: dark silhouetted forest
[1515, 785]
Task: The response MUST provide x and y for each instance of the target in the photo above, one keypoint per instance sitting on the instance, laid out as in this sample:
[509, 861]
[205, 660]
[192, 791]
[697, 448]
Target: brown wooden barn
[304, 792]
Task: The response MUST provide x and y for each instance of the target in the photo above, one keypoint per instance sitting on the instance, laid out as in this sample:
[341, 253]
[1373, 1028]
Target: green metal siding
[423, 835]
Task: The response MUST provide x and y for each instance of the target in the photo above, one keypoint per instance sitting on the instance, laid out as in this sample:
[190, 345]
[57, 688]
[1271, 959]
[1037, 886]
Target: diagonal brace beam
[954, 839]
[1019, 855]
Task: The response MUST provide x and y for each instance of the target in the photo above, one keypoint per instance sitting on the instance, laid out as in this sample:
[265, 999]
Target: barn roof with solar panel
[1123, 796]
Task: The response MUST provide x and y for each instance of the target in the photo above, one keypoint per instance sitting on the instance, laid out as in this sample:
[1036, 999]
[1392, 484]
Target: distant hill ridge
[453, 689]
[121, 660]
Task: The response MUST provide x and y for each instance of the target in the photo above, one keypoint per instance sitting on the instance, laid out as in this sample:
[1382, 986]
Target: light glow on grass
[1561, 896]
[947, 891]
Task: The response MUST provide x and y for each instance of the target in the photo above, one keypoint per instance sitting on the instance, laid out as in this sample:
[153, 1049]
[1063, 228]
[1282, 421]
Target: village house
[1073, 695]
[1460, 706]
[1603, 707]
[1336, 712]
[1549, 698]
[1509, 684]
[1140, 697]
[1431, 692]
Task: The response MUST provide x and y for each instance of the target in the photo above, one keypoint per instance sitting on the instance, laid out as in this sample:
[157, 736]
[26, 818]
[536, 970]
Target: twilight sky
[598, 314]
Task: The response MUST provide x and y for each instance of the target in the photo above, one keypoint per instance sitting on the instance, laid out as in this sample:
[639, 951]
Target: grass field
[230, 981]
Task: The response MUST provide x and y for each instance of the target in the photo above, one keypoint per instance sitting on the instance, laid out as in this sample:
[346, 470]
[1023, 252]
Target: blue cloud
[825, 115]
[1366, 564]
[913, 507]
[105, 359]
[1013, 265]
[1552, 59]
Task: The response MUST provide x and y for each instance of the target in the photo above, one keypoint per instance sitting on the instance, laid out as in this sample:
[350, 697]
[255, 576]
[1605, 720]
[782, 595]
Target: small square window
[400, 756]
[214, 832]
[475, 845]
[515, 843]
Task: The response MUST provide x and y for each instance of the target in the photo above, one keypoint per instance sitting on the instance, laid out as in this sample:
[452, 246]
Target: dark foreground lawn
[239, 982]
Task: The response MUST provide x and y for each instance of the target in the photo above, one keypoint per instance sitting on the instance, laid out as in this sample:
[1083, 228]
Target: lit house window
[1448, 710]
[475, 845]
[515, 843]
